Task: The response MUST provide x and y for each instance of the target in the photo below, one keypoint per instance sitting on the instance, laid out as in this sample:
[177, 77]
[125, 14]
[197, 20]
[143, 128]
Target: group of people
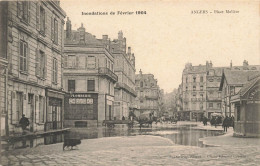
[228, 122]
[215, 120]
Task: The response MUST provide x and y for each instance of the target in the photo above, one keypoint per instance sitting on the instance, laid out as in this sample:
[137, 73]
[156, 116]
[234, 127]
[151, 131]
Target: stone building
[233, 79]
[89, 78]
[213, 95]
[194, 91]
[247, 108]
[148, 93]
[125, 70]
[34, 49]
[3, 66]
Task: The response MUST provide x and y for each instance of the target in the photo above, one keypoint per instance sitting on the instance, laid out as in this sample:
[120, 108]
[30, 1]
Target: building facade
[247, 108]
[213, 95]
[148, 93]
[89, 78]
[3, 66]
[125, 70]
[233, 79]
[34, 49]
[194, 91]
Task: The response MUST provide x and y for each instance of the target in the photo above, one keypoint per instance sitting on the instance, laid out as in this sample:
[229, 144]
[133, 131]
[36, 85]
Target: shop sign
[81, 101]
[80, 95]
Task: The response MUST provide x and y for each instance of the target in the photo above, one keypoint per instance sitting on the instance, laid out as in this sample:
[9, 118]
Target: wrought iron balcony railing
[107, 73]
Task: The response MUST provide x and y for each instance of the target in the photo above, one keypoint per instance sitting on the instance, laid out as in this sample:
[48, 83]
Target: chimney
[140, 72]
[231, 64]
[129, 50]
[68, 28]
[81, 34]
[104, 37]
[133, 60]
[210, 64]
[245, 63]
[120, 35]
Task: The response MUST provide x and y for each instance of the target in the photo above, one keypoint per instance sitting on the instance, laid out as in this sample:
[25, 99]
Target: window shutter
[36, 109]
[13, 107]
[38, 23]
[19, 9]
[86, 62]
[29, 11]
[45, 66]
[52, 28]
[27, 59]
[56, 74]
[46, 21]
[94, 63]
[19, 52]
[65, 61]
[44, 109]
[52, 71]
[37, 64]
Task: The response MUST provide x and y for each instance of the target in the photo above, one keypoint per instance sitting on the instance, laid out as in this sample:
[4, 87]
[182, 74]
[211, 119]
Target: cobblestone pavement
[142, 150]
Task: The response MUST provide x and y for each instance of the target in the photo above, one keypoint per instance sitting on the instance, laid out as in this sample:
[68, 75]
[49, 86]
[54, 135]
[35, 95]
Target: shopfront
[80, 108]
[54, 113]
[109, 114]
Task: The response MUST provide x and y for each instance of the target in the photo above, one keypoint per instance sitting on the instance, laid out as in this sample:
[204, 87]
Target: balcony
[120, 85]
[103, 71]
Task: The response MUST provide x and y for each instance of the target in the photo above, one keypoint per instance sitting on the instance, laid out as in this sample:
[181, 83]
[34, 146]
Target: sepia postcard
[130, 82]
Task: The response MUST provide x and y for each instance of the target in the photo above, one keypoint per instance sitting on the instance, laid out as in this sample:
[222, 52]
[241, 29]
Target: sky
[168, 36]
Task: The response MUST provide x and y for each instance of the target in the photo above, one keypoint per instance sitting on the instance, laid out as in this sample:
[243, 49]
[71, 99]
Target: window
[71, 85]
[186, 79]
[42, 20]
[55, 31]
[42, 66]
[201, 96]
[194, 88]
[23, 10]
[219, 94]
[201, 79]
[91, 85]
[232, 90]
[186, 88]
[54, 70]
[91, 62]
[141, 84]
[201, 87]
[219, 105]
[201, 106]
[210, 105]
[194, 78]
[23, 56]
[71, 62]
[194, 94]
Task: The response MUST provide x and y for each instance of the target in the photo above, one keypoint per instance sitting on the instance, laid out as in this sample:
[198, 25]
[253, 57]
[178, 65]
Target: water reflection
[182, 135]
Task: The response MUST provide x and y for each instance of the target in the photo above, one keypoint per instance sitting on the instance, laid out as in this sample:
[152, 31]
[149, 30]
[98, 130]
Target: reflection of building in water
[88, 77]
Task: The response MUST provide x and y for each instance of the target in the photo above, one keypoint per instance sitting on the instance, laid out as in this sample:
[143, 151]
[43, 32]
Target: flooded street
[160, 145]
[178, 134]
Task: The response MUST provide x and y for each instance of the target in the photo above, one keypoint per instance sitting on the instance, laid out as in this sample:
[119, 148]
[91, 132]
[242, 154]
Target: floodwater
[178, 134]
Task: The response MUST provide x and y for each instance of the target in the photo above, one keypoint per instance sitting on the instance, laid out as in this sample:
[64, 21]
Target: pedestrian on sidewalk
[24, 122]
[225, 123]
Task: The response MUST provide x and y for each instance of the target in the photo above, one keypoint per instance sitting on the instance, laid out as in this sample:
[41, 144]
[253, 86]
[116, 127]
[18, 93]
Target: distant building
[89, 78]
[194, 91]
[34, 37]
[247, 108]
[149, 95]
[124, 67]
